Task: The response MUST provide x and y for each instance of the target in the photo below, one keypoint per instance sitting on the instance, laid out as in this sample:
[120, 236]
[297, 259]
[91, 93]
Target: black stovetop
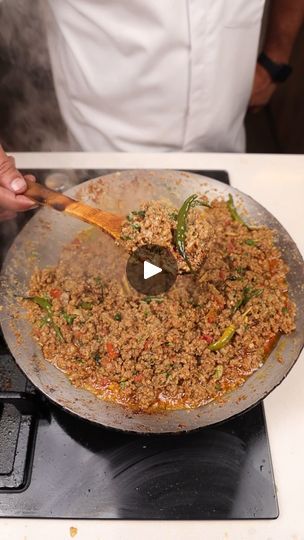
[53, 464]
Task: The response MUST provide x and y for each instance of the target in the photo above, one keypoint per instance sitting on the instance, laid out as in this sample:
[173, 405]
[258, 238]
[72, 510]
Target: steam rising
[30, 119]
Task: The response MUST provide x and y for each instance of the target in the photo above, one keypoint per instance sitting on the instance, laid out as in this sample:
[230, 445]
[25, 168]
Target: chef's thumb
[10, 177]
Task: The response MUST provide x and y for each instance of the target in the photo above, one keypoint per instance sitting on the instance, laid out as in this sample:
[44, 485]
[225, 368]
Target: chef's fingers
[5, 215]
[12, 201]
[12, 185]
[30, 177]
[10, 177]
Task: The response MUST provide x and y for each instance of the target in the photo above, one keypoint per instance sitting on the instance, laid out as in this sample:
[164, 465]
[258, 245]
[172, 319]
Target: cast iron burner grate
[53, 464]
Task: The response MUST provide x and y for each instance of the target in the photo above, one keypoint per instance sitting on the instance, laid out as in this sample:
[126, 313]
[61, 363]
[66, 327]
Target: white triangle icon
[150, 270]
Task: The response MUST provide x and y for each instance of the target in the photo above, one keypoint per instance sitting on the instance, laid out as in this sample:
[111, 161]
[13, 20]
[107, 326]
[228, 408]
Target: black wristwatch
[278, 72]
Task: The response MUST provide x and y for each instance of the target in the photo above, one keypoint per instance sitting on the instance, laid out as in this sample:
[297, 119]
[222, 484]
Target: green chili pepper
[136, 226]
[57, 331]
[181, 223]
[140, 213]
[218, 372]
[234, 213]
[284, 310]
[122, 384]
[237, 306]
[86, 305]
[117, 317]
[251, 293]
[181, 228]
[226, 336]
[46, 304]
[45, 320]
[248, 293]
[68, 318]
[250, 242]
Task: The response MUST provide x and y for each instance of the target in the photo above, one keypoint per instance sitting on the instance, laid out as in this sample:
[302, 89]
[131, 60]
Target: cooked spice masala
[204, 337]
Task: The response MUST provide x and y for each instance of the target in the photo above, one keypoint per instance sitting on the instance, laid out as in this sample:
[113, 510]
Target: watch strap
[277, 72]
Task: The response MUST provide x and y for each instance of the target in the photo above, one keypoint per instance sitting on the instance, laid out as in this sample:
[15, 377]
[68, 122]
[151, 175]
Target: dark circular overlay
[158, 256]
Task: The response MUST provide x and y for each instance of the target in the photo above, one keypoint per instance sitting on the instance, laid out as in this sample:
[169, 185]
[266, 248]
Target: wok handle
[45, 196]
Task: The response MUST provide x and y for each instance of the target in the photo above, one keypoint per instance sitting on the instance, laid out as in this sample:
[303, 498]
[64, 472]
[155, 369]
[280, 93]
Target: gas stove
[53, 464]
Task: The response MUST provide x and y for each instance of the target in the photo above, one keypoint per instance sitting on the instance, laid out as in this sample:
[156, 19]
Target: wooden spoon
[108, 222]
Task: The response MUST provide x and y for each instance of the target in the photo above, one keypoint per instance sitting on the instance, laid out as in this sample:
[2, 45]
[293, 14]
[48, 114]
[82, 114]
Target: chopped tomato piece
[207, 338]
[103, 382]
[230, 246]
[111, 351]
[55, 293]
[138, 378]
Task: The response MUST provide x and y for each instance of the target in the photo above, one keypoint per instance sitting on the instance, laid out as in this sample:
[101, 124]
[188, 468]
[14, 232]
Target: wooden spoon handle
[43, 195]
[108, 222]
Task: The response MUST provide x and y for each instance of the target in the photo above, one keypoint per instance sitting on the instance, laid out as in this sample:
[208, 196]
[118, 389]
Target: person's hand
[262, 89]
[12, 185]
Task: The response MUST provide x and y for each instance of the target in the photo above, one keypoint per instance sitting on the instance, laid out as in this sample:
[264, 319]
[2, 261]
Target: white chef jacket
[154, 75]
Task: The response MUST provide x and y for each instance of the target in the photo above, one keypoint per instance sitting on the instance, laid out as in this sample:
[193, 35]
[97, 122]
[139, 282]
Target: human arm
[12, 186]
[284, 22]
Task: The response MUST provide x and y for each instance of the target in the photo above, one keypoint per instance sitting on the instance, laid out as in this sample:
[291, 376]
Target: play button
[151, 269]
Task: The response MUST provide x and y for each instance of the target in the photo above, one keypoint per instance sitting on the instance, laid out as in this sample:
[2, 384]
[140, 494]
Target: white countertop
[276, 181]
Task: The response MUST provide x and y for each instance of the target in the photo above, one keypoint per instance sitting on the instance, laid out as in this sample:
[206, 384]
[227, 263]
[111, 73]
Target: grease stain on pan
[38, 364]
[279, 352]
